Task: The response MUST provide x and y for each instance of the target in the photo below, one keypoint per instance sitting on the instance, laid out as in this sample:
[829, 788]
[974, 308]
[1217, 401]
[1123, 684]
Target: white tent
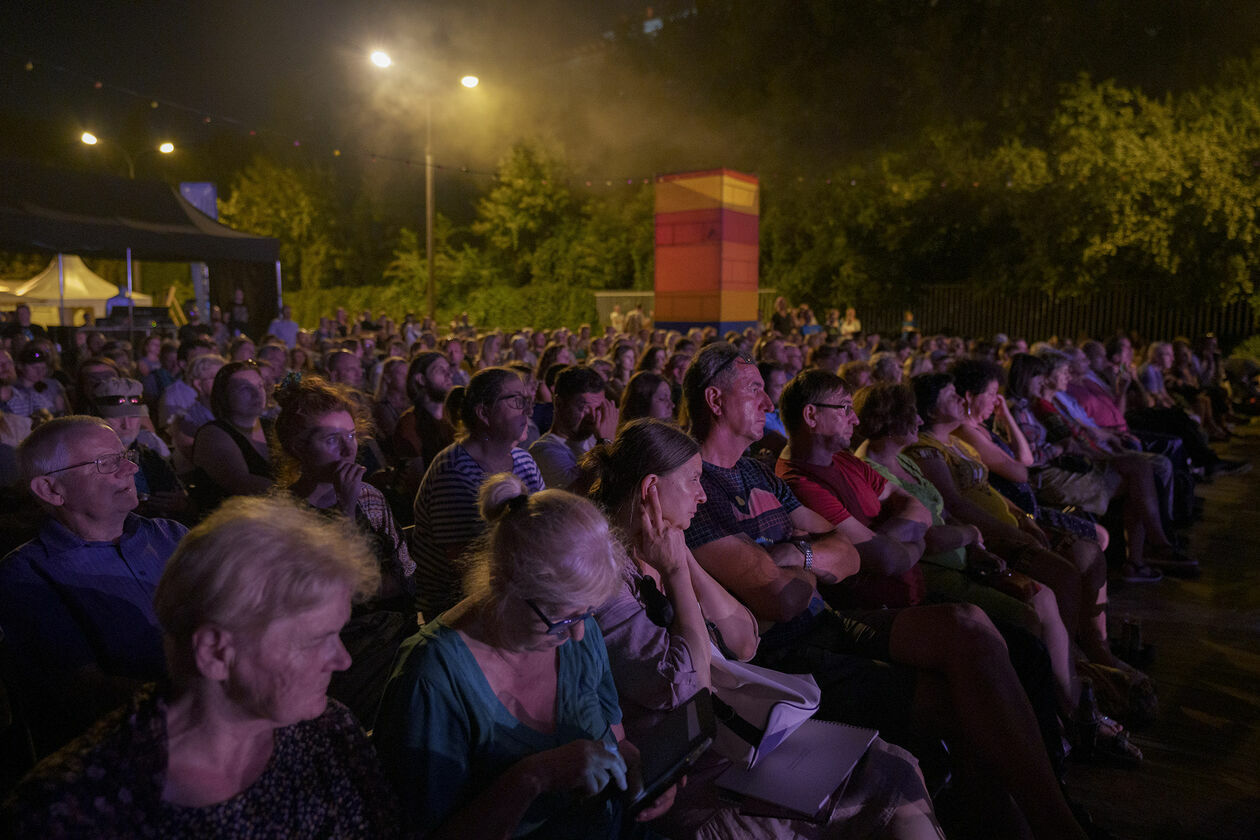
[85, 290]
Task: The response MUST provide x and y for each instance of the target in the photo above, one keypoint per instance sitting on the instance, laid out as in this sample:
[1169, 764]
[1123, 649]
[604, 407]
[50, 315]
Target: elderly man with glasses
[76, 602]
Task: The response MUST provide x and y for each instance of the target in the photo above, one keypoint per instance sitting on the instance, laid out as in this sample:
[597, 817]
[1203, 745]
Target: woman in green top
[888, 417]
[889, 421]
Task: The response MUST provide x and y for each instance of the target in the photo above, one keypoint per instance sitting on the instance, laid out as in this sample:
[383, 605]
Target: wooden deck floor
[1201, 777]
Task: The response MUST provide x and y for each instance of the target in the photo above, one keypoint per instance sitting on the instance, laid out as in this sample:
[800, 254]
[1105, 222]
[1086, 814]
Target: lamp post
[381, 59]
[165, 148]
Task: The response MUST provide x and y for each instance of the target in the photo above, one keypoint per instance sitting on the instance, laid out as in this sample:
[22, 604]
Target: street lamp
[166, 148]
[381, 59]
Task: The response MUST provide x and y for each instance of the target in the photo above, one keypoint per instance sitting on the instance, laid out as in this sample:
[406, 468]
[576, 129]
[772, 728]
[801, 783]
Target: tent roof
[81, 284]
[86, 213]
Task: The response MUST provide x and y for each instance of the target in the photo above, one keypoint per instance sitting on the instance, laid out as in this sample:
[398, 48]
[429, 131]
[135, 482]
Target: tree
[296, 207]
[529, 200]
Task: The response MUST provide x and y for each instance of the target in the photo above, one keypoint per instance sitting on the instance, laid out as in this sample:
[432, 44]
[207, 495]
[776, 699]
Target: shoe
[1224, 467]
[1140, 573]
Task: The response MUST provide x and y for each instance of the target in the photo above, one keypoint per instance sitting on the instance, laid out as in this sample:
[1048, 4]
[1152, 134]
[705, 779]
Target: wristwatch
[806, 547]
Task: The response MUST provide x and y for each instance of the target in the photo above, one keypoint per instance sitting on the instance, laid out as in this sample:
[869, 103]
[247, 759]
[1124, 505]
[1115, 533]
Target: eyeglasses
[848, 407]
[742, 358]
[555, 628]
[516, 401]
[106, 464]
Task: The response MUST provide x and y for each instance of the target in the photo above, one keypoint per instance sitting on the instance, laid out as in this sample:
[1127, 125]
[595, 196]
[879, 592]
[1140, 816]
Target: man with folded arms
[942, 668]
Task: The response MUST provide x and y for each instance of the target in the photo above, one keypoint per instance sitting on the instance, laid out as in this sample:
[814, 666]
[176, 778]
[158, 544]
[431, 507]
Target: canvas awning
[86, 213]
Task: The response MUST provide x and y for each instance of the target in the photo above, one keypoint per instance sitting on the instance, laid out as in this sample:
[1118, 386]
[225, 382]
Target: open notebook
[801, 774]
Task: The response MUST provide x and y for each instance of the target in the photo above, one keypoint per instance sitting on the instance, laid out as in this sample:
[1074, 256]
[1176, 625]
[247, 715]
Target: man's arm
[772, 592]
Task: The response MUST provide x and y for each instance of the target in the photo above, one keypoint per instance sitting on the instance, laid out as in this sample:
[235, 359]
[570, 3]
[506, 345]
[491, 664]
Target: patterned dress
[322, 780]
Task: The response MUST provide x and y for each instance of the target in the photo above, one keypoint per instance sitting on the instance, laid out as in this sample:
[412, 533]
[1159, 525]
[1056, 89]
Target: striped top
[447, 520]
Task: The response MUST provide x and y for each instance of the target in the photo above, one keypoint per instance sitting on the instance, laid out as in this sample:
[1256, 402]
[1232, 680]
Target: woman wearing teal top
[501, 717]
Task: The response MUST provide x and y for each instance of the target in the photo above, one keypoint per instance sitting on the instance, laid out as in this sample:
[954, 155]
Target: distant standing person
[284, 327]
[782, 321]
[850, 327]
[908, 325]
[238, 321]
[616, 319]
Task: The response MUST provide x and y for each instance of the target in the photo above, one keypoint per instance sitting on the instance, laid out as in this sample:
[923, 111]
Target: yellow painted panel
[738, 306]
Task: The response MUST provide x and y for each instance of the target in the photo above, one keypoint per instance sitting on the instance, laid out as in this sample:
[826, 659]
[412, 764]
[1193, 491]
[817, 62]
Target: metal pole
[61, 290]
[428, 206]
[131, 301]
[279, 290]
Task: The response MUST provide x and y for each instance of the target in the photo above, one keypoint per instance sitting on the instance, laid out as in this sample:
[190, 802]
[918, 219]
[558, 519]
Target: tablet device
[672, 746]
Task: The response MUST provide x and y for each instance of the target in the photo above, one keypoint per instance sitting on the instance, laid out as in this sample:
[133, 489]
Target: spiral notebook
[802, 773]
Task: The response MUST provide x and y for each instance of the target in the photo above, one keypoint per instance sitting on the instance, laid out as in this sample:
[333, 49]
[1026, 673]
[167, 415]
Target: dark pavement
[1201, 777]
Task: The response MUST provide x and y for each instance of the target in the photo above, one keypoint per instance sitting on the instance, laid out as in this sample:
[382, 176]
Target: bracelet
[806, 548]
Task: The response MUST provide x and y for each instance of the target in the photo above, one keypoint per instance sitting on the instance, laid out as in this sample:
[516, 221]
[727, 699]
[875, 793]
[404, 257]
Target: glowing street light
[381, 59]
[90, 139]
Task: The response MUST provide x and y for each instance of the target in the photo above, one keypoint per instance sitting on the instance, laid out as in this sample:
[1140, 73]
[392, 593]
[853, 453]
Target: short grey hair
[46, 448]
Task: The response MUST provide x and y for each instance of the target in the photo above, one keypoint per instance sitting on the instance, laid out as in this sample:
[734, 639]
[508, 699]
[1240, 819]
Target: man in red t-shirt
[883, 522]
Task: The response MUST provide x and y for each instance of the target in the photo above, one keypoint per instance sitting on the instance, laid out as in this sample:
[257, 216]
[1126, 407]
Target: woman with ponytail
[501, 718]
[658, 627]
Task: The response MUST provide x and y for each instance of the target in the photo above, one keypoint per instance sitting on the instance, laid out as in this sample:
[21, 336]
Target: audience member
[284, 327]
[243, 741]
[76, 602]
[504, 706]
[493, 416]
[231, 452]
[746, 536]
[583, 416]
[656, 629]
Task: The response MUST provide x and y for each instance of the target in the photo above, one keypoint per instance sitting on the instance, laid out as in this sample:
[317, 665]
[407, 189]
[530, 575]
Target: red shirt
[849, 487]
[1097, 401]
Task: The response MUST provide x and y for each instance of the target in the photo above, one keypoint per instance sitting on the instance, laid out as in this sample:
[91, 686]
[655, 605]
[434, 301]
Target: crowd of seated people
[509, 555]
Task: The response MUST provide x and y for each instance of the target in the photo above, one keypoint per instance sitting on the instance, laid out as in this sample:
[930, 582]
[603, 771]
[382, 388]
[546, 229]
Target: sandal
[1132, 572]
[1100, 738]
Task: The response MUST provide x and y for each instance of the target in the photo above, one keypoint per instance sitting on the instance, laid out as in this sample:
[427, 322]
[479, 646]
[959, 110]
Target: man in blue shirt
[76, 602]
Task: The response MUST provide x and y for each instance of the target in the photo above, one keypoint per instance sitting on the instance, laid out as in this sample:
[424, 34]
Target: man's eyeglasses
[846, 407]
[516, 402]
[106, 464]
[555, 628]
[742, 358]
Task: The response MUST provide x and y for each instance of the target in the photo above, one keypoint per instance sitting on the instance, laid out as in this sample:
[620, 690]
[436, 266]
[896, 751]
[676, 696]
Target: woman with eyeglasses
[493, 418]
[230, 453]
[501, 718]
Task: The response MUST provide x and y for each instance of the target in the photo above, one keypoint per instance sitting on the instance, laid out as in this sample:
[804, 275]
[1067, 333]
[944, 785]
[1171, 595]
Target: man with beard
[583, 414]
[76, 602]
[423, 430]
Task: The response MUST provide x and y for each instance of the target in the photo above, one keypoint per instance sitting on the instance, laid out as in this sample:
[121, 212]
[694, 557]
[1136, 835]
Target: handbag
[757, 708]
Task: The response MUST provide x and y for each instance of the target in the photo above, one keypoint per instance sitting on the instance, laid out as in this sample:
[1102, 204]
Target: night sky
[285, 69]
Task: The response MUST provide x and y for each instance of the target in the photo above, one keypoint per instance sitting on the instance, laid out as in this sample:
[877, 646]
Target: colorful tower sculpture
[706, 250]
